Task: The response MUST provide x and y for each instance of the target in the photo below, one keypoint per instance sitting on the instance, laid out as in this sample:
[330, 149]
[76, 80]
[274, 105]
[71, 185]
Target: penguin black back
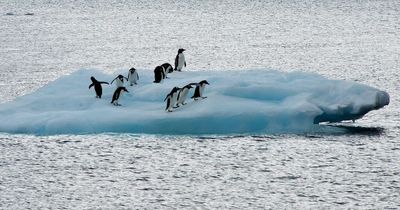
[158, 74]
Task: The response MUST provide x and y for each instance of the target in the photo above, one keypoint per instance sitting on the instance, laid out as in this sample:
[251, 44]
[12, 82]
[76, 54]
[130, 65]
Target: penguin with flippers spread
[119, 81]
[97, 86]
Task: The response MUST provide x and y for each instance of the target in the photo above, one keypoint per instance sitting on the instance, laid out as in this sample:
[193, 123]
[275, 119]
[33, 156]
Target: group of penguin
[174, 99]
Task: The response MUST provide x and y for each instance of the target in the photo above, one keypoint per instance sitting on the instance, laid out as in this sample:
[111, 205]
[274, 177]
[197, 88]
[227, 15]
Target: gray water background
[347, 40]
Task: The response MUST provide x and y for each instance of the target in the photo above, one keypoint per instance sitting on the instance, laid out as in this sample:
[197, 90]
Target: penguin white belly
[172, 101]
[174, 97]
[181, 61]
[183, 95]
[119, 83]
[201, 89]
[133, 78]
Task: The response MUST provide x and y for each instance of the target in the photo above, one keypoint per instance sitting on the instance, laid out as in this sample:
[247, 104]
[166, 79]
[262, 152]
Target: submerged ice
[254, 101]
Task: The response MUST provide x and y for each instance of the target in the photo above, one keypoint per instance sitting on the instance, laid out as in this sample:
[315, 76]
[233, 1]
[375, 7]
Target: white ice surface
[253, 101]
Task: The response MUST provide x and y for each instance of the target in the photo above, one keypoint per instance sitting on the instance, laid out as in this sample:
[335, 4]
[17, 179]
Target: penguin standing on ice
[119, 81]
[133, 76]
[97, 86]
[171, 99]
[159, 74]
[183, 94]
[117, 95]
[198, 92]
[180, 60]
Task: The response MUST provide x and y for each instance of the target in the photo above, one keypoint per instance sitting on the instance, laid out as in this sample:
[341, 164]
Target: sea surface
[42, 40]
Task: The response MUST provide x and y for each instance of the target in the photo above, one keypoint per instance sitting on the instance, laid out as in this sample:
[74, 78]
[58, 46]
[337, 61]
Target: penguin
[180, 60]
[133, 76]
[171, 99]
[198, 92]
[120, 81]
[97, 86]
[158, 74]
[117, 95]
[183, 94]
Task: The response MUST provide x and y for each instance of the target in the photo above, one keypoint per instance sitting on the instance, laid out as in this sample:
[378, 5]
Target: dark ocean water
[352, 40]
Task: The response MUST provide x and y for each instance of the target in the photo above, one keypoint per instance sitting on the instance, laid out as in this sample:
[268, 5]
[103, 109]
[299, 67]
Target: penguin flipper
[114, 79]
[166, 97]
[91, 85]
[104, 83]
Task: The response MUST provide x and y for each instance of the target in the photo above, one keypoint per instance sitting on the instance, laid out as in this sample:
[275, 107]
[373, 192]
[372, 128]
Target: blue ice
[238, 102]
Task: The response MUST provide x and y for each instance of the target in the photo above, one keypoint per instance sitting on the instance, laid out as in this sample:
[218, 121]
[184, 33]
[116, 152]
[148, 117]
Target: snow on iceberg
[253, 101]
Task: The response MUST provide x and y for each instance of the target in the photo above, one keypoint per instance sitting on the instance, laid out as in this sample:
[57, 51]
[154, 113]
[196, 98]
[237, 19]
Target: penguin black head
[181, 50]
[204, 82]
[175, 89]
[132, 70]
[93, 79]
[120, 77]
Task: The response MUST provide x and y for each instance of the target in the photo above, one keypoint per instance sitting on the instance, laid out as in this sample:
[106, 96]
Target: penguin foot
[204, 97]
[184, 103]
[176, 107]
[169, 110]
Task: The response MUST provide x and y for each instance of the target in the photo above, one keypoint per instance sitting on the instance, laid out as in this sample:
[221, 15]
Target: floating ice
[254, 101]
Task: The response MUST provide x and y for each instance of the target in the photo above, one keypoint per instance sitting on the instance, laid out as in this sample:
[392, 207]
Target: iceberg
[238, 102]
